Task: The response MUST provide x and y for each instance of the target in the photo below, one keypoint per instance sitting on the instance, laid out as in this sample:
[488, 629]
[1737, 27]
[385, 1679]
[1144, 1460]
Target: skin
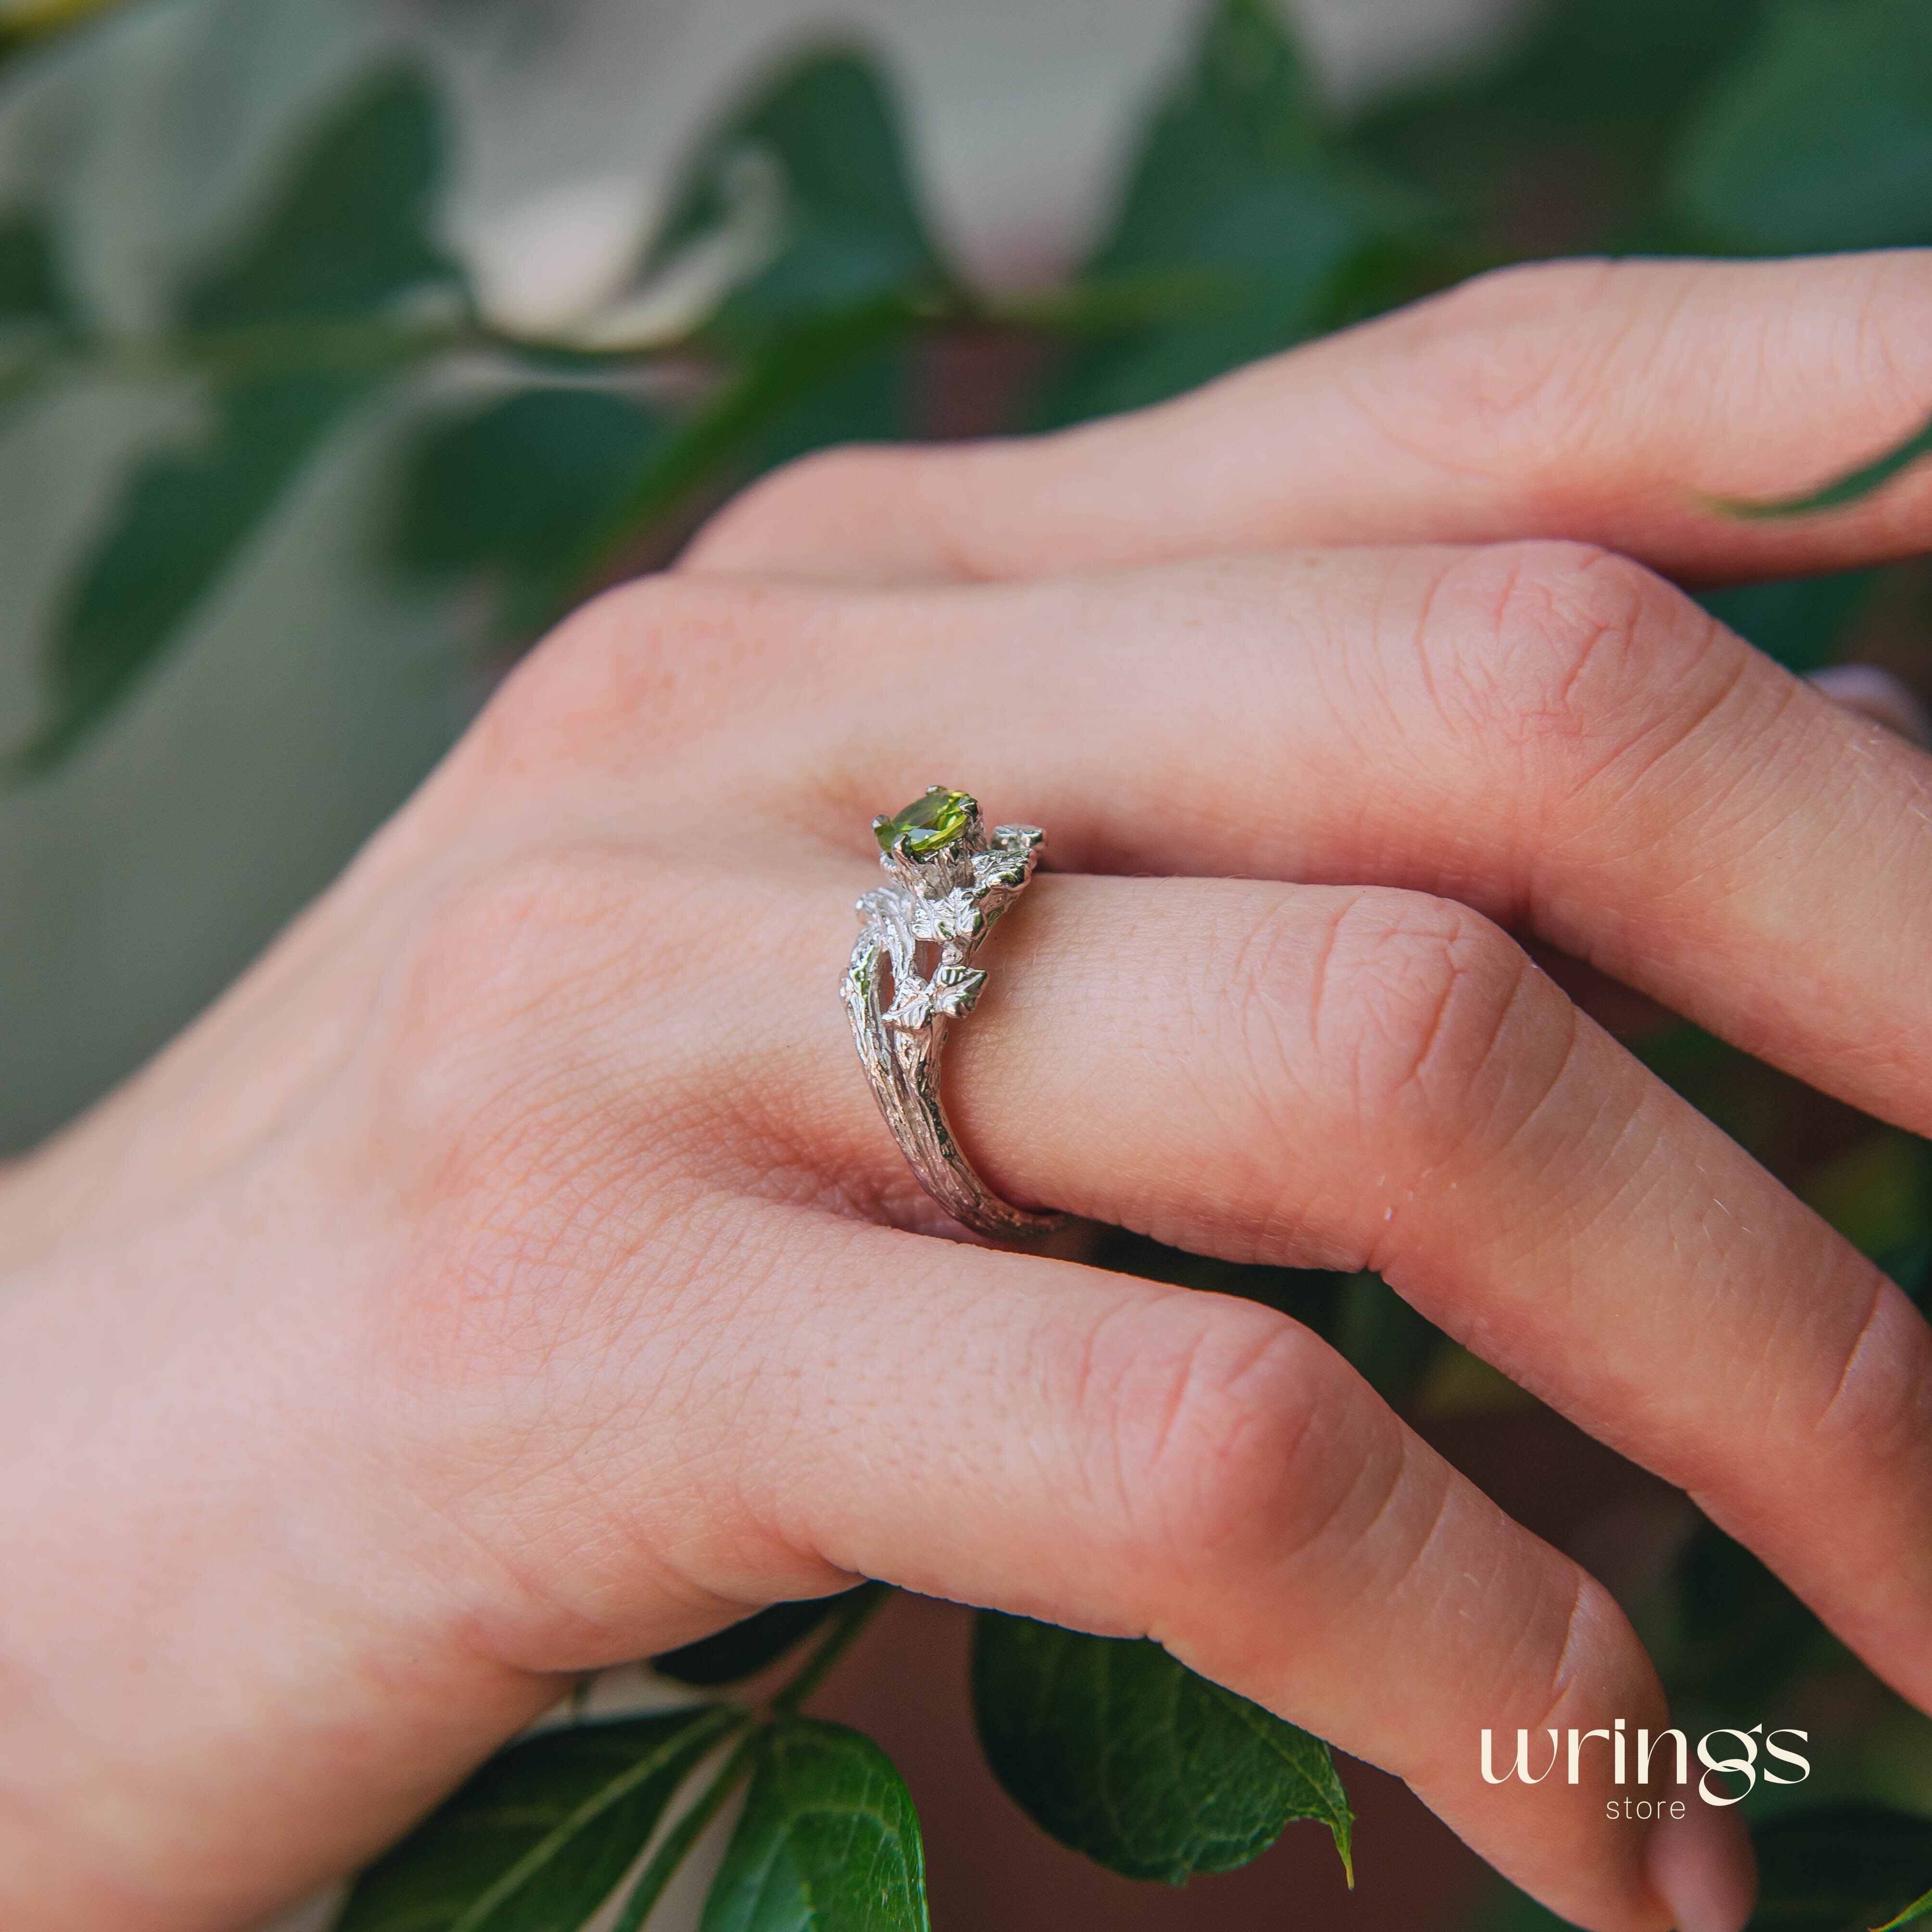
[511, 1276]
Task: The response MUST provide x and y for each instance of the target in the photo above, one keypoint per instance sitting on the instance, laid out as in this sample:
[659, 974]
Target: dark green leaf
[829, 1841]
[1390, 1344]
[1744, 1636]
[352, 227]
[1820, 136]
[823, 139]
[787, 375]
[539, 1838]
[347, 233]
[1840, 1868]
[1236, 181]
[1855, 483]
[1800, 622]
[746, 1647]
[1121, 1753]
[1555, 143]
[31, 288]
[504, 493]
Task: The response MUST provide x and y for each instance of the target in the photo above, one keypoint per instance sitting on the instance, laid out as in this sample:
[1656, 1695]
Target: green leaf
[1820, 136]
[352, 228]
[502, 494]
[1921, 1907]
[1801, 622]
[32, 290]
[787, 375]
[1555, 143]
[822, 142]
[1841, 1868]
[1745, 1635]
[1124, 1754]
[746, 1647]
[540, 1837]
[1236, 180]
[347, 233]
[829, 1841]
[1860, 481]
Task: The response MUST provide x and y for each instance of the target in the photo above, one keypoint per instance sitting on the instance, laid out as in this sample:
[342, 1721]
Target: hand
[512, 1276]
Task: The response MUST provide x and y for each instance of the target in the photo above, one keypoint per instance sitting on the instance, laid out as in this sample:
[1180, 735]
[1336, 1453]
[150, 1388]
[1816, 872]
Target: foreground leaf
[539, 1838]
[1820, 137]
[829, 1841]
[1237, 182]
[1841, 1868]
[1121, 1753]
[348, 234]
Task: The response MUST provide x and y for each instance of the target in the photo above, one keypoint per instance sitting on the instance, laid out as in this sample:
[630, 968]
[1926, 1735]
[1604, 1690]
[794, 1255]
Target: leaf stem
[854, 1615]
[685, 1833]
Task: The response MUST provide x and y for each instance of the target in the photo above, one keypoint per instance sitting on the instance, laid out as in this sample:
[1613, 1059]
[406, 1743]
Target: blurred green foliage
[797, 295]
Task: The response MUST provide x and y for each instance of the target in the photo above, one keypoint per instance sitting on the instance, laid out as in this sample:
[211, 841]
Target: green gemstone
[930, 823]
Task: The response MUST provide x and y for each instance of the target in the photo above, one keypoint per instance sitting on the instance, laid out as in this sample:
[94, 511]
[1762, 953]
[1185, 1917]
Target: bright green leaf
[829, 1841]
[1841, 1868]
[1820, 136]
[1237, 181]
[745, 1648]
[1123, 1753]
[347, 234]
[540, 1837]
[1921, 1907]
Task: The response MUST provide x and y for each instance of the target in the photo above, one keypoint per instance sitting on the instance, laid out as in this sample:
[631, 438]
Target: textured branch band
[912, 973]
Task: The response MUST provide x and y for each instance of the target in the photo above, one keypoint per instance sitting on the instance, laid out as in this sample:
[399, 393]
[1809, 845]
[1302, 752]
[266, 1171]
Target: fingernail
[1878, 695]
[1702, 1868]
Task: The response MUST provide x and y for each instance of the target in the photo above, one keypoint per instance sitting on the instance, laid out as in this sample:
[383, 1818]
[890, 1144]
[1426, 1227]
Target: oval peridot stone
[930, 823]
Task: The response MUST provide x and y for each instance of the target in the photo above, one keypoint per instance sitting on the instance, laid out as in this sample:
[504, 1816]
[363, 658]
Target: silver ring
[952, 883]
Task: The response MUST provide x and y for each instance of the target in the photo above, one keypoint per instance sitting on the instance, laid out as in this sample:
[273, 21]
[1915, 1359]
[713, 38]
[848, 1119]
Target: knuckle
[497, 1049]
[1505, 375]
[1565, 661]
[1424, 1008]
[651, 665]
[1881, 1399]
[814, 507]
[1539, 641]
[1202, 1410]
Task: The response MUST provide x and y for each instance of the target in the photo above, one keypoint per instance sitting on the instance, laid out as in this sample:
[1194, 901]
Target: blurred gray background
[315, 691]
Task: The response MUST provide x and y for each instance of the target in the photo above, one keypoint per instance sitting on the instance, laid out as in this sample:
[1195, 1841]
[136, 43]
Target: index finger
[1610, 402]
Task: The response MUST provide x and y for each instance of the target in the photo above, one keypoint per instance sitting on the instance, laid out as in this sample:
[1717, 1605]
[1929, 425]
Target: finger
[1610, 402]
[1358, 1078]
[1351, 1077]
[1131, 1460]
[1544, 731]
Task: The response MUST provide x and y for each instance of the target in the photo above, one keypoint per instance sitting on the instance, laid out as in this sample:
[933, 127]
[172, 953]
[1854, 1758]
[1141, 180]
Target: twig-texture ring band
[912, 973]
